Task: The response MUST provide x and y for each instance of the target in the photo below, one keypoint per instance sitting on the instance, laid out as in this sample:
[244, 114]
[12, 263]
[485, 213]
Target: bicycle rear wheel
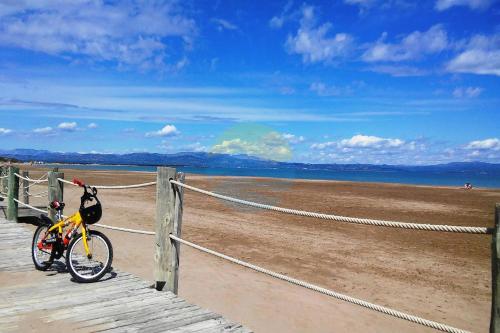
[83, 268]
[42, 255]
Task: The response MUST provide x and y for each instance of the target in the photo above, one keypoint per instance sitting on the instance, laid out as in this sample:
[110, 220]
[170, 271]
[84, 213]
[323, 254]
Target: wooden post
[495, 278]
[55, 191]
[12, 193]
[4, 180]
[168, 221]
[26, 197]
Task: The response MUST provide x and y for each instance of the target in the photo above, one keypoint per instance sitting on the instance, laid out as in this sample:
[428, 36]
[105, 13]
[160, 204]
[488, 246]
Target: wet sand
[440, 276]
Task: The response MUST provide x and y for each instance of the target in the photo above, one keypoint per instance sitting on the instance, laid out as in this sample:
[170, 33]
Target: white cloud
[224, 24]
[370, 149]
[480, 56]
[276, 22]
[360, 2]
[398, 70]
[167, 130]
[487, 144]
[472, 4]
[316, 43]
[67, 126]
[270, 146]
[363, 141]
[43, 130]
[413, 46]
[92, 125]
[292, 138]
[467, 92]
[196, 147]
[324, 145]
[4, 131]
[131, 33]
[323, 90]
[368, 141]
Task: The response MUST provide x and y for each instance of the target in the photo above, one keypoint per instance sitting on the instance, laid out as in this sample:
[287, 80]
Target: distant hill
[205, 160]
[8, 159]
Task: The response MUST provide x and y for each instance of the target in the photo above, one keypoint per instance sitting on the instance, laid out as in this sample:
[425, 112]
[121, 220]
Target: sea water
[444, 178]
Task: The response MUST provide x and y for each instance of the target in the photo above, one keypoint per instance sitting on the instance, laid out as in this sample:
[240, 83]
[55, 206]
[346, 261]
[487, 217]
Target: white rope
[37, 195]
[45, 176]
[383, 223]
[125, 229]
[111, 187]
[29, 206]
[371, 306]
[36, 181]
[1, 177]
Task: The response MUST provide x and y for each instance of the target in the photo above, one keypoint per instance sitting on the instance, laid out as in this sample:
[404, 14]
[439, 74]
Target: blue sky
[352, 81]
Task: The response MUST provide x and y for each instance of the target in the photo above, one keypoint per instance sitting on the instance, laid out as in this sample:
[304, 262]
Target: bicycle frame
[77, 221]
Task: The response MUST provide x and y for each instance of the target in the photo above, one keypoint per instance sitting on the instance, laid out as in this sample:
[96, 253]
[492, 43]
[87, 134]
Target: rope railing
[136, 231]
[346, 219]
[35, 181]
[349, 299]
[111, 187]
[29, 206]
[37, 195]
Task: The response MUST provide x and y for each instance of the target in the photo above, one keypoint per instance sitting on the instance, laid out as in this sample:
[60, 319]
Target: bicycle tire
[40, 265]
[71, 257]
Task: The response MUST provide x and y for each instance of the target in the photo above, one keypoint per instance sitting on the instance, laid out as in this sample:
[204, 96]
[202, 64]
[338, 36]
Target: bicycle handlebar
[78, 182]
[87, 195]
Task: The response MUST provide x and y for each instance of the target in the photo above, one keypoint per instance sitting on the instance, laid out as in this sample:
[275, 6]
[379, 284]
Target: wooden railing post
[495, 278]
[168, 221]
[26, 197]
[12, 193]
[4, 180]
[55, 191]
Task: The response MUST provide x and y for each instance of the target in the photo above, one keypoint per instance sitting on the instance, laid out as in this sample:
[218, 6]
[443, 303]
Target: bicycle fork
[85, 242]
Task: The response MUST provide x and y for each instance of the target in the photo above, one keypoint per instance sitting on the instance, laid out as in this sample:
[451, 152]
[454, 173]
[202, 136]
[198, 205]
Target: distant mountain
[194, 159]
[205, 160]
[8, 159]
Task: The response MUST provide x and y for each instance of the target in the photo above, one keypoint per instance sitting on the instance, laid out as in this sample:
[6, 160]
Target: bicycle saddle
[45, 220]
[57, 205]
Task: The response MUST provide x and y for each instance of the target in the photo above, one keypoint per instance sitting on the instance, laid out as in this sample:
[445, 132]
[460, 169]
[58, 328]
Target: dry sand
[439, 276]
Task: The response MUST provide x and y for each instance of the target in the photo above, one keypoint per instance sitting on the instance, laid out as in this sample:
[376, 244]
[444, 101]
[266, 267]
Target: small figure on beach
[467, 186]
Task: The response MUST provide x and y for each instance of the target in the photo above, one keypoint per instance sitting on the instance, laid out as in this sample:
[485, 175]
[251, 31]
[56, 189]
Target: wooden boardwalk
[37, 301]
[21, 211]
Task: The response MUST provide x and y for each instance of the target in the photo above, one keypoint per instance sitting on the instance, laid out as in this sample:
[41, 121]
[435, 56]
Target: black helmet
[91, 214]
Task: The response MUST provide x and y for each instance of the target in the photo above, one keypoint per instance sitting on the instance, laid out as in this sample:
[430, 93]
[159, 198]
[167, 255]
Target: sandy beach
[440, 276]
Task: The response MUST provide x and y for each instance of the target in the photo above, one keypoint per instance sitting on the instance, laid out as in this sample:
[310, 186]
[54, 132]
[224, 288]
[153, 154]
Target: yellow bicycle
[89, 254]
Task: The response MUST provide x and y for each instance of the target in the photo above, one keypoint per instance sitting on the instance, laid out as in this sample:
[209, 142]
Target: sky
[346, 81]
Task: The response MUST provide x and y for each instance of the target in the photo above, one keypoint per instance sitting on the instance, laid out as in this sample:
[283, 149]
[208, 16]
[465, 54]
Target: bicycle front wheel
[90, 268]
[42, 254]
